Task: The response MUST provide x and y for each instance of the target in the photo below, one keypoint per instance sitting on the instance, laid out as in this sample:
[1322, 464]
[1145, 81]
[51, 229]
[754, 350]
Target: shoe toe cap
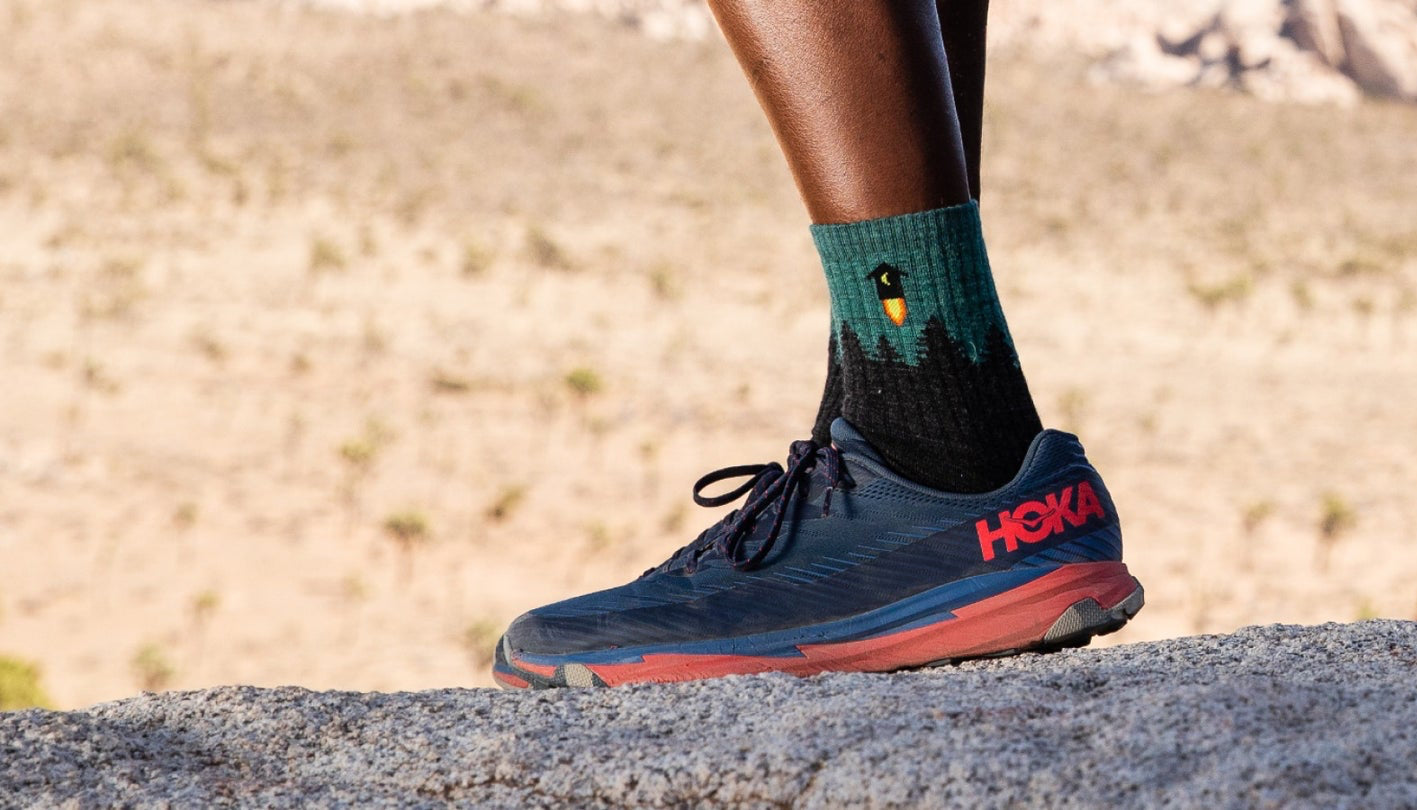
[645, 611]
[544, 633]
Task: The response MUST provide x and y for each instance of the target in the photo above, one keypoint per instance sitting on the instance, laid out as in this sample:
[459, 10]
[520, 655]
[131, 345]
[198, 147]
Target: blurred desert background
[331, 341]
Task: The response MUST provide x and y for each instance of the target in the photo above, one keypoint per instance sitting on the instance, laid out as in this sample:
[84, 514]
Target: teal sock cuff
[939, 269]
[929, 235]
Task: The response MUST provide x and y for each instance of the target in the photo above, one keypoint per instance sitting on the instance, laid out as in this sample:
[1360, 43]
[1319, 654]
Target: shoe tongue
[850, 441]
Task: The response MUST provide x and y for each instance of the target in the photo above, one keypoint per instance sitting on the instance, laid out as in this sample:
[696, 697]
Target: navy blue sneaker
[835, 563]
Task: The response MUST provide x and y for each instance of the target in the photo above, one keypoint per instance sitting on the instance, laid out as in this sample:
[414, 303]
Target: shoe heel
[1086, 619]
[1066, 607]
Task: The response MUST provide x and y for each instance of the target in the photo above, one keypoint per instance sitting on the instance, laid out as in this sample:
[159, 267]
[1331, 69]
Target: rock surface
[1269, 716]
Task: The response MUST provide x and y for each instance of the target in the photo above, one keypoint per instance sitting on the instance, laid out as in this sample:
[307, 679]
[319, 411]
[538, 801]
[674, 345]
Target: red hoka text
[1036, 521]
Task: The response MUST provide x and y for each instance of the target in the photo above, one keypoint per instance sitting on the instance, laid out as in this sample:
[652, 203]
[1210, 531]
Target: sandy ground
[329, 344]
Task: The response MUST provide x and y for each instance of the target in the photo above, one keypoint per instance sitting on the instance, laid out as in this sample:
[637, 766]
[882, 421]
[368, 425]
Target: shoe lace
[767, 484]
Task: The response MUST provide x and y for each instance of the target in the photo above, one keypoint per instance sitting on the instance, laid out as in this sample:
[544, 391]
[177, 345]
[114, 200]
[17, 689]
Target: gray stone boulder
[1327, 51]
[1250, 45]
[1313, 25]
[1379, 40]
[1269, 716]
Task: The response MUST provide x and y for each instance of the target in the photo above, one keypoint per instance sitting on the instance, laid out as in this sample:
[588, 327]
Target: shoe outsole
[1067, 608]
[1077, 627]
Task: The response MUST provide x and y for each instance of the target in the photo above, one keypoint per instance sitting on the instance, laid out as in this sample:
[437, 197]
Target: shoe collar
[858, 453]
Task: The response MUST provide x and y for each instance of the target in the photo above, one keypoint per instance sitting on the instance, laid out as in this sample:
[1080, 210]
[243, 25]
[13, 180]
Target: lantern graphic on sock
[889, 290]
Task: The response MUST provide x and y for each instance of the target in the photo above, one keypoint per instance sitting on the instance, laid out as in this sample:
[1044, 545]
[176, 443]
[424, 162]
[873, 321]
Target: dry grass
[305, 269]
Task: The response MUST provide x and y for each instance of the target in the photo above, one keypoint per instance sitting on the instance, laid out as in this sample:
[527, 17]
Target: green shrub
[1337, 516]
[584, 381]
[408, 528]
[506, 502]
[544, 250]
[152, 668]
[325, 256]
[479, 639]
[19, 685]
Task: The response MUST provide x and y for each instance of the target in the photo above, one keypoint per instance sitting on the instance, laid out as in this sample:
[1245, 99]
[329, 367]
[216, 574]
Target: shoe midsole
[919, 610]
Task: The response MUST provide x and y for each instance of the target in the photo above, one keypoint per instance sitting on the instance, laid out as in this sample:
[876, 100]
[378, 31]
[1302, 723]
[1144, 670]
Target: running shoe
[835, 563]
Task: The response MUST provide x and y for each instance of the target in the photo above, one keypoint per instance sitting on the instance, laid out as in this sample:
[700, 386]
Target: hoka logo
[1036, 521]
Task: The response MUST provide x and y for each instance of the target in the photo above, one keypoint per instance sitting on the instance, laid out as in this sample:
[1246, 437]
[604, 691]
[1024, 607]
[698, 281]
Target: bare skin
[858, 93]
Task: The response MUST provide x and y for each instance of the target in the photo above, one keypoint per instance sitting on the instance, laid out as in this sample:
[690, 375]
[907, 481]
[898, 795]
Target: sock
[920, 358]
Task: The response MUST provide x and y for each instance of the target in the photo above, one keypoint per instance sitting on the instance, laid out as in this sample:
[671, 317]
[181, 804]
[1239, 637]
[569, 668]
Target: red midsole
[1010, 620]
[510, 680]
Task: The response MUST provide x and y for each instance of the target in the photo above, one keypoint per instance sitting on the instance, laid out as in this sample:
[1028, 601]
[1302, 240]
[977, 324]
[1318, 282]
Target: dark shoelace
[767, 484]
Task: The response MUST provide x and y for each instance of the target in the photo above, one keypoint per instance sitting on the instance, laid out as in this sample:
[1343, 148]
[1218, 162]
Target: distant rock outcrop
[1318, 51]
[1299, 50]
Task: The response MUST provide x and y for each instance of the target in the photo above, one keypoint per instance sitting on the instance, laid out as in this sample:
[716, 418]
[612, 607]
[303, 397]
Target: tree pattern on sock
[920, 358]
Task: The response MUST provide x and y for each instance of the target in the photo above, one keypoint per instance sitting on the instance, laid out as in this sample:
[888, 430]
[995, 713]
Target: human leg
[935, 520]
[920, 360]
[858, 94]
